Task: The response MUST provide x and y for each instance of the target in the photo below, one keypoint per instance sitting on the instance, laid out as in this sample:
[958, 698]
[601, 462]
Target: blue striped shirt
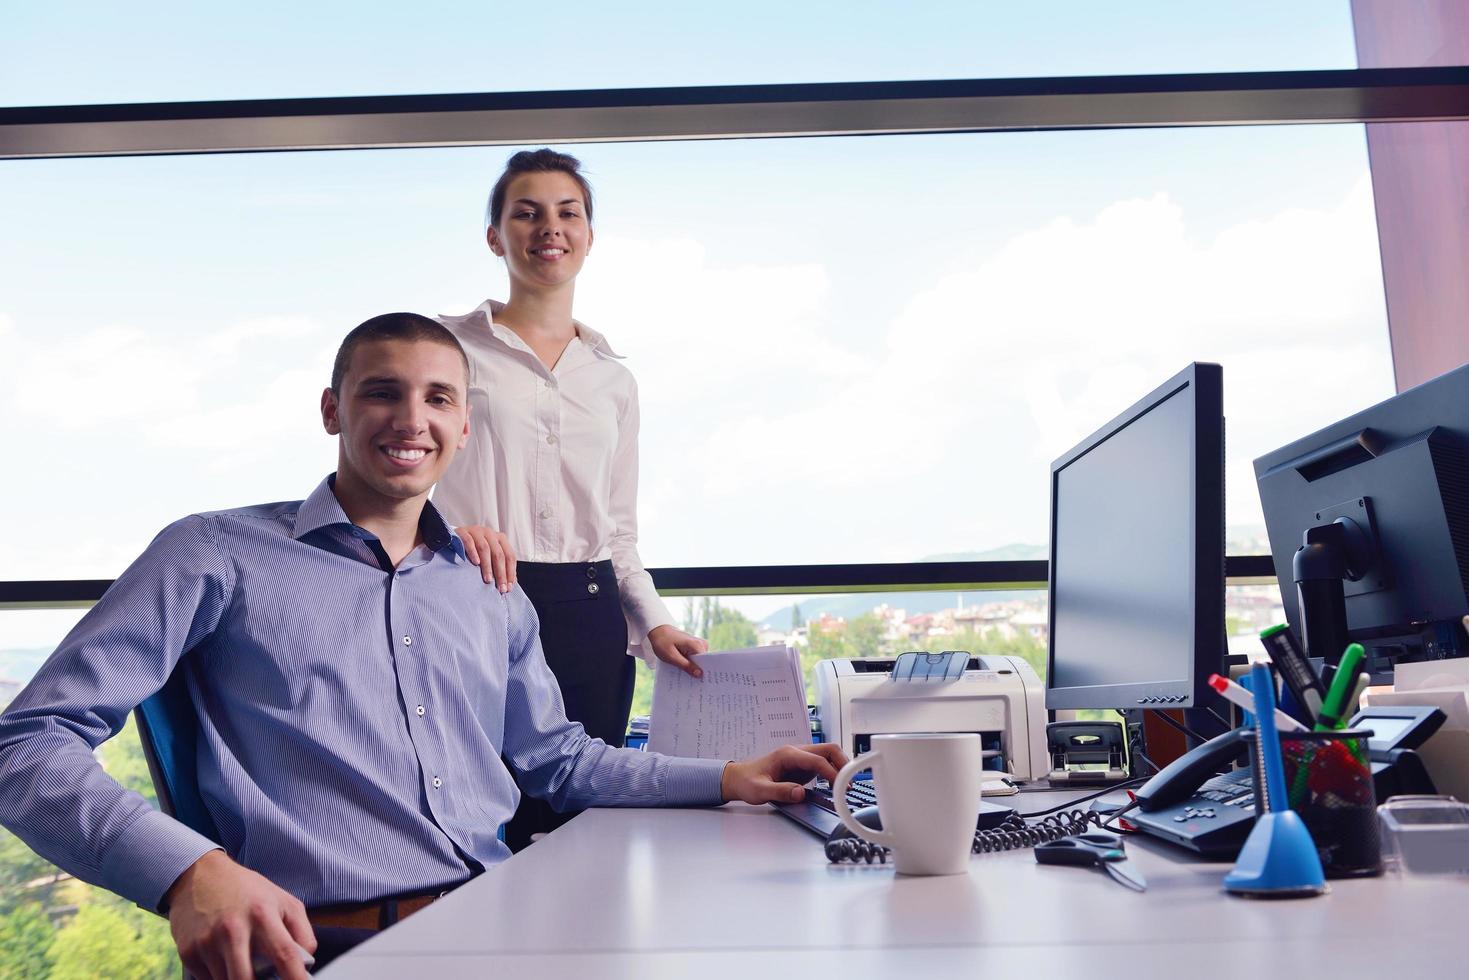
[352, 715]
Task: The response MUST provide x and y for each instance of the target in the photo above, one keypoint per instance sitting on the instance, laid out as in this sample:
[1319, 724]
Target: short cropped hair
[393, 326]
[544, 160]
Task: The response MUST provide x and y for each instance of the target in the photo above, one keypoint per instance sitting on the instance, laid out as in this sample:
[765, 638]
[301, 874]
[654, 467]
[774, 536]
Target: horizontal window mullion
[967, 576]
[734, 112]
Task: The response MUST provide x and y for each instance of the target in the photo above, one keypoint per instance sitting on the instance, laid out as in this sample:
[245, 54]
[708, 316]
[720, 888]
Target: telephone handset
[1177, 781]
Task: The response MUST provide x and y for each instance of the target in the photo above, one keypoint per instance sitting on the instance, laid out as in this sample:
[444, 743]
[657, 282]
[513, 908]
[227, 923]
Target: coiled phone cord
[1012, 835]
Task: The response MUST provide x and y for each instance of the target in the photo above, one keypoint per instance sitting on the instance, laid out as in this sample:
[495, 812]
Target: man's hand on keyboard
[778, 776]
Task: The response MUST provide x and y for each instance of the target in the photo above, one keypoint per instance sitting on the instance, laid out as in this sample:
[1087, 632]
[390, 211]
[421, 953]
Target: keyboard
[817, 813]
[1213, 822]
[1235, 788]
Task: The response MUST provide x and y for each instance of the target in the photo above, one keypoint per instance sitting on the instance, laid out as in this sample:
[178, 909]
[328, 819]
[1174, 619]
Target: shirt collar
[322, 509]
[484, 316]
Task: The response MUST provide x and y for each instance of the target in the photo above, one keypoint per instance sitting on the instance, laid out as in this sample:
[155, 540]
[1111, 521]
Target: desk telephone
[1189, 804]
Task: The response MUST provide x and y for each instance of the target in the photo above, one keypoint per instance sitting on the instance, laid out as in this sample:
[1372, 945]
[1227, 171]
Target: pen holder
[1328, 779]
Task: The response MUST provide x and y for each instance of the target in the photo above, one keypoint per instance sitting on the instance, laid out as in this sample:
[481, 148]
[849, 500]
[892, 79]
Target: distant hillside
[851, 606]
[1010, 552]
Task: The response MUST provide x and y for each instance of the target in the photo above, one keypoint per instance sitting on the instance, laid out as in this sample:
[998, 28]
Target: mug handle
[839, 800]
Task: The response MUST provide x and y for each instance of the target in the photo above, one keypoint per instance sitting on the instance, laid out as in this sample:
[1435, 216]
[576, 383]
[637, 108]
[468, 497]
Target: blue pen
[1269, 738]
[1279, 857]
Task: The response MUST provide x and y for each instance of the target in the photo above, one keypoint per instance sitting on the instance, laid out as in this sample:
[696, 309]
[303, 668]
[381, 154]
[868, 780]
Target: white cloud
[717, 330]
[110, 374]
[286, 329]
[762, 410]
[1001, 364]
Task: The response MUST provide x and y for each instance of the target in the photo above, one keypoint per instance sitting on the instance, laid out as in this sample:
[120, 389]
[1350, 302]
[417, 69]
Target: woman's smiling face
[543, 234]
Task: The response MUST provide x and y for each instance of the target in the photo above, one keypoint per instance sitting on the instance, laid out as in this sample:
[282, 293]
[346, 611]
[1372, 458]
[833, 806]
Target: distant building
[1034, 623]
[766, 637]
[827, 623]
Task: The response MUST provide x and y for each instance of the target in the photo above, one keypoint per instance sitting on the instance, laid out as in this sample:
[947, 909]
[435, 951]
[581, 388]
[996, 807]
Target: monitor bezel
[1202, 383]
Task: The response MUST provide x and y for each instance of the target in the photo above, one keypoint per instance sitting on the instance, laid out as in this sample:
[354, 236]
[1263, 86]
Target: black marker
[1296, 670]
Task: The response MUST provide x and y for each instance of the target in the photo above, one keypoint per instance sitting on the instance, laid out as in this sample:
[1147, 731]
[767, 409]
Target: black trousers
[584, 636]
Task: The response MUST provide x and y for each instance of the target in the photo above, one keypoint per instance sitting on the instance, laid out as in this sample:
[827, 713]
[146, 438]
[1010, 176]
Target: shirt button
[419, 709]
[438, 782]
[545, 513]
[551, 439]
[592, 588]
[407, 640]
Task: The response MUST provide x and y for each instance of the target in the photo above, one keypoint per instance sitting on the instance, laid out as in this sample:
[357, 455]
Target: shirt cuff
[148, 857]
[638, 628]
[693, 782]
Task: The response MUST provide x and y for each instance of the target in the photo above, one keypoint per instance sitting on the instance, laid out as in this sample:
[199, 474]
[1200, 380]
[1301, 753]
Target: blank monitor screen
[1129, 605]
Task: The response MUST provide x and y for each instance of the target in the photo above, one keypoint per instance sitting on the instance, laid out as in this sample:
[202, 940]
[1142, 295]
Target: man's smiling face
[402, 413]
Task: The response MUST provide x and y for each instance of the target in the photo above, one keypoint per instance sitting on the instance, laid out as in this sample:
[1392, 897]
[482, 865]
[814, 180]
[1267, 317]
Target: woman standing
[550, 473]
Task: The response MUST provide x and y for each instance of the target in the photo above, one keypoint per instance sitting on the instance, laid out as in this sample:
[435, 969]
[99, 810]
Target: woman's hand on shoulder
[674, 646]
[491, 551]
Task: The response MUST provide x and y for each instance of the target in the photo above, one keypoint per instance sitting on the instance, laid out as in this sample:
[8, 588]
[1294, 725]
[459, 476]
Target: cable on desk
[1012, 835]
[1222, 720]
[1128, 784]
[1180, 726]
[1140, 754]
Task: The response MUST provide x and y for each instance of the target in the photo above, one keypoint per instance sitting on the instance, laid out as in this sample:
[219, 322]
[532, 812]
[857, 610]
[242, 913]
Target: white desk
[740, 892]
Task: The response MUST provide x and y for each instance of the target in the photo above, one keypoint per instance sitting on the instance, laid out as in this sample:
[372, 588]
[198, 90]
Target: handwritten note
[748, 702]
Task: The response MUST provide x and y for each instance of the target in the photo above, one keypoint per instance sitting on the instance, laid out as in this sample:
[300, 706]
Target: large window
[858, 349]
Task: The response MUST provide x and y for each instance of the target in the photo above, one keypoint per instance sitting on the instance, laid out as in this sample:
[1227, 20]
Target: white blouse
[552, 458]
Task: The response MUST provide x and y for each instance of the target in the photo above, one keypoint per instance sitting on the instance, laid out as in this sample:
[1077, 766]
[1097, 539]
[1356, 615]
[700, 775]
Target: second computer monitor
[1137, 553]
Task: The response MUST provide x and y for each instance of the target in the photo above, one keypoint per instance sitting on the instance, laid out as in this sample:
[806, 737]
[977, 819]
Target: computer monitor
[1369, 526]
[1137, 553]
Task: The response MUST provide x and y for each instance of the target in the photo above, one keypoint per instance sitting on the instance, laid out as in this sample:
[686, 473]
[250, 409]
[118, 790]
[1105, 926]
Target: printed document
[748, 702]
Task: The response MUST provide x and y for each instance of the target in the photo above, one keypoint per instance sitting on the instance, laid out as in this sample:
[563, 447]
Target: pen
[1329, 718]
[1230, 690]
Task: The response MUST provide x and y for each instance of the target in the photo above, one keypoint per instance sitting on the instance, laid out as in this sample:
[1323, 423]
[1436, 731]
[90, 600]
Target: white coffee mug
[928, 789]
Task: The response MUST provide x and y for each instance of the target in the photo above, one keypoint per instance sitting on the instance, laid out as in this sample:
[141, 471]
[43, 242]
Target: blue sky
[859, 349]
[76, 52]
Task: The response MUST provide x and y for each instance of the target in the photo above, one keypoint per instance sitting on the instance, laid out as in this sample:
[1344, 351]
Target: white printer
[1001, 698]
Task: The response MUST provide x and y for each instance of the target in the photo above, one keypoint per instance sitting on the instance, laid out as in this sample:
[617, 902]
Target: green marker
[1340, 695]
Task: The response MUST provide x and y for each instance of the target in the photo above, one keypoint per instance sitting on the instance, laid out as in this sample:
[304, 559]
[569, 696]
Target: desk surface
[740, 891]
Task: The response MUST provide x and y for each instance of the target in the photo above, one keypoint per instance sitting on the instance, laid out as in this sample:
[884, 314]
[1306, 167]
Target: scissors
[1088, 850]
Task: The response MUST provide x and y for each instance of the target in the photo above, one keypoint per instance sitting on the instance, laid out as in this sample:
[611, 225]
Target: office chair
[169, 732]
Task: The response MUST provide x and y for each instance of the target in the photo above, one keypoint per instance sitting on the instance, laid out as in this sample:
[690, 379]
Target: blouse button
[551, 439]
[420, 711]
[407, 640]
[438, 782]
[545, 513]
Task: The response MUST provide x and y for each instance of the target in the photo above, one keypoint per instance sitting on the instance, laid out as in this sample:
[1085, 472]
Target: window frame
[871, 108]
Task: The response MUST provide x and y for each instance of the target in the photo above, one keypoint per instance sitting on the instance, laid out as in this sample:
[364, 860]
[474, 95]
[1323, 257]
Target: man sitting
[357, 684]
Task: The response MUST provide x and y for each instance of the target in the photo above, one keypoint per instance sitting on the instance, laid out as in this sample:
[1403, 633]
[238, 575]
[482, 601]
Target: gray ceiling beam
[736, 112]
